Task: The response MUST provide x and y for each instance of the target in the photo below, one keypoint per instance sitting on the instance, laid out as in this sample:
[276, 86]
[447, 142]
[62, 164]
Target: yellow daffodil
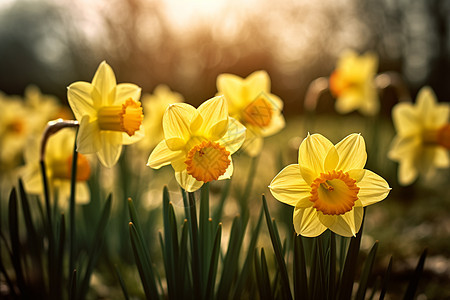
[110, 115]
[198, 143]
[154, 107]
[329, 187]
[423, 137]
[251, 103]
[352, 83]
[58, 161]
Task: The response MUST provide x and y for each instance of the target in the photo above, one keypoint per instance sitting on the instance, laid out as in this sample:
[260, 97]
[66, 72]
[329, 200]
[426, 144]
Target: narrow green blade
[414, 281]
[278, 252]
[366, 272]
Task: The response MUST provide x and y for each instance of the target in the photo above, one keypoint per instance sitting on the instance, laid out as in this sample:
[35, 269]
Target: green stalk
[196, 268]
[73, 179]
[243, 200]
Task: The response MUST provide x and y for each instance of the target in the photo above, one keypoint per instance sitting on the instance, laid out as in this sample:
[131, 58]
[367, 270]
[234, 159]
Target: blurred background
[187, 43]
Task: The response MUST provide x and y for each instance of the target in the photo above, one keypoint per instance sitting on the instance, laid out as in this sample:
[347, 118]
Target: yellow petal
[405, 147]
[162, 156]
[231, 87]
[372, 188]
[352, 153]
[105, 82]
[187, 182]
[80, 99]
[215, 118]
[308, 175]
[306, 222]
[406, 119]
[110, 149]
[83, 194]
[349, 101]
[234, 137]
[289, 187]
[432, 114]
[176, 122]
[312, 152]
[136, 137]
[331, 160]
[125, 91]
[349, 223]
[256, 83]
[407, 172]
[88, 139]
[441, 157]
[228, 172]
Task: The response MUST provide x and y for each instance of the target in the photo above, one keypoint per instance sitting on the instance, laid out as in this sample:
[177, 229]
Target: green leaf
[414, 281]
[122, 283]
[366, 272]
[230, 262]
[16, 249]
[217, 215]
[278, 252]
[332, 267]
[204, 234]
[56, 288]
[351, 263]
[73, 285]
[143, 263]
[96, 246]
[386, 279]
[299, 270]
[262, 275]
[243, 278]
[185, 278]
[212, 272]
[72, 227]
[195, 253]
[170, 245]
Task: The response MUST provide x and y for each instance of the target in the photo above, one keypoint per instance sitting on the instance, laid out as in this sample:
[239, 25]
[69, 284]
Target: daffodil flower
[329, 187]
[110, 115]
[352, 83]
[58, 160]
[198, 143]
[154, 107]
[251, 103]
[423, 137]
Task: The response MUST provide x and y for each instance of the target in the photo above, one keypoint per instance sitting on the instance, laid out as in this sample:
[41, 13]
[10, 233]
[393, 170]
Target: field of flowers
[123, 195]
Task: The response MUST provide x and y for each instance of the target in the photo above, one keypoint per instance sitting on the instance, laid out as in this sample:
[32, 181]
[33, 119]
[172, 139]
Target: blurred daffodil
[198, 143]
[251, 103]
[352, 83]
[58, 161]
[110, 115]
[423, 137]
[154, 107]
[329, 187]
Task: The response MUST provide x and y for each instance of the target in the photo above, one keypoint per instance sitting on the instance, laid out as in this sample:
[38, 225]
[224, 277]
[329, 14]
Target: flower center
[17, 126]
[63, 169]
[127, 117]
[258, 112]
[339, 83]
[207, 161]
[334, 193]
